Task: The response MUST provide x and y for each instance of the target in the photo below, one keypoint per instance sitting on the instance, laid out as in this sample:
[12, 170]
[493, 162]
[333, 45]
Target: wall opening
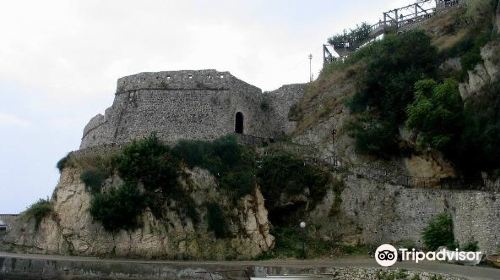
[238, 125]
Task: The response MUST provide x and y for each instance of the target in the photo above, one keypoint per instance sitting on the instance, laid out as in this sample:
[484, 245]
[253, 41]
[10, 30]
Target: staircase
[400, 19]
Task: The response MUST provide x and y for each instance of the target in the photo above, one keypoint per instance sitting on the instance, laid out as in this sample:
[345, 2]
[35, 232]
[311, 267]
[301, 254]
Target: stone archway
[238, 124]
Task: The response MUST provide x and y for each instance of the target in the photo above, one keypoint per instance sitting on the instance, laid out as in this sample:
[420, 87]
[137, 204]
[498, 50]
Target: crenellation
[179, 80]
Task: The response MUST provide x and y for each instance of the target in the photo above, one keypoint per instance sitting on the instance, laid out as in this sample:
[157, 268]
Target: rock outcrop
[484, 73]
[70, 229]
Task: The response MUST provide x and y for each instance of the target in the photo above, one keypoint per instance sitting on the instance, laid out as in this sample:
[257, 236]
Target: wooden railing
[403, 17]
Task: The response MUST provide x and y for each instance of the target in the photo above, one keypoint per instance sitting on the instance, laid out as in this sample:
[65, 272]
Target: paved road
[471, 272]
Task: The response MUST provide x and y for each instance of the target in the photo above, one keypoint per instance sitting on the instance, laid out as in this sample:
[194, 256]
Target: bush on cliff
[373, 136]
[436, 113]
[149, 162]
[150, 170]
[393, 66]
[118, 208]
[93, 179]
[478, 148]
[61, 164]
[231, 163]
[38, 210]
[150, 173]
[439, 232]
[217, 221]
[289, 175]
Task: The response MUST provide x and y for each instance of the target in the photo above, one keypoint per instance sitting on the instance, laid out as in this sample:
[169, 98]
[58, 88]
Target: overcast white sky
[60, 59]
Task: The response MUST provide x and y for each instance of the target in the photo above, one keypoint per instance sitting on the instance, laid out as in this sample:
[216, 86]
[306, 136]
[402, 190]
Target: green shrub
[436, 113]
[471, 246]
[231, 163]
[93, 179]
[239, 183]
[288, 242]
[62, 163]
[38, 211]
[217, 221]
[374, 136]
[150, 162]
[287, 174]
[192, 152]
[478, 146]
[217, 156]
[355, 37]
[118, 208]
[153, 165]
[439, 232]
[479, 12]
[478, 19]
[394, 64]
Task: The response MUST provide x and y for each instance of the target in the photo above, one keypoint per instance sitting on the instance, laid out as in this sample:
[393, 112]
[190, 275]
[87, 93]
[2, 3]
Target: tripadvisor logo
[387, 255]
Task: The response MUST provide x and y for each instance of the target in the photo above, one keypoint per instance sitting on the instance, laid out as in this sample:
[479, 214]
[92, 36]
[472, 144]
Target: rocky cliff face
[71, 230]
[484, 73]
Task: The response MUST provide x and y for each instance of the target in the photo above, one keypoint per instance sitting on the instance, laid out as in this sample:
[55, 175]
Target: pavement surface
[471, 272]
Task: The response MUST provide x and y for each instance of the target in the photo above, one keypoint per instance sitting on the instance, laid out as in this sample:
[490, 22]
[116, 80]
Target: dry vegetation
[446, 30]
[328, 94]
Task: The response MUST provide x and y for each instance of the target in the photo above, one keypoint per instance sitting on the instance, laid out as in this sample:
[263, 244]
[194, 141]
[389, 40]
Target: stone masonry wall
[280, 101]
[372, 213]
[199, 105]
[35, 268]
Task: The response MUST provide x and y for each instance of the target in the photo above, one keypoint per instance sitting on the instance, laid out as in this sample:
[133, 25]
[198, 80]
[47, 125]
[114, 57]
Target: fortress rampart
[199, 105]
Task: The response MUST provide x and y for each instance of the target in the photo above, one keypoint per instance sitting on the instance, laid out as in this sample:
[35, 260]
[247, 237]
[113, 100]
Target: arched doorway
[238, 124]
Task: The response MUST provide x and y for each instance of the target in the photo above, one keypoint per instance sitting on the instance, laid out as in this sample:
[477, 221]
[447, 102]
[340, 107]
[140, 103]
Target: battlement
[209, 79]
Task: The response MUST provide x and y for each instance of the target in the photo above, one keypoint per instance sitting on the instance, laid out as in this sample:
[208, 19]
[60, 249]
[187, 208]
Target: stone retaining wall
[31, 269]
[376, 213]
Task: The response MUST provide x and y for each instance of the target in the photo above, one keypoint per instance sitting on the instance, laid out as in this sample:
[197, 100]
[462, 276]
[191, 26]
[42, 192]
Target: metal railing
[381, 173]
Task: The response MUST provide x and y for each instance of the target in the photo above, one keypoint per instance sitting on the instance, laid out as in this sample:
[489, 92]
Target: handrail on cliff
[394, 19]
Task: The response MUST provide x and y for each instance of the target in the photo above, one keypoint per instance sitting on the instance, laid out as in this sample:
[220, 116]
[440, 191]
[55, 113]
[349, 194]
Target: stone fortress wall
[199, 105]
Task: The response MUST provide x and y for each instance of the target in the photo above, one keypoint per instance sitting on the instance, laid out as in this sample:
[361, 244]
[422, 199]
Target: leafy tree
[393, 66]
[436, 113]
[355, 37]
[439, 232]
[397, 63]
